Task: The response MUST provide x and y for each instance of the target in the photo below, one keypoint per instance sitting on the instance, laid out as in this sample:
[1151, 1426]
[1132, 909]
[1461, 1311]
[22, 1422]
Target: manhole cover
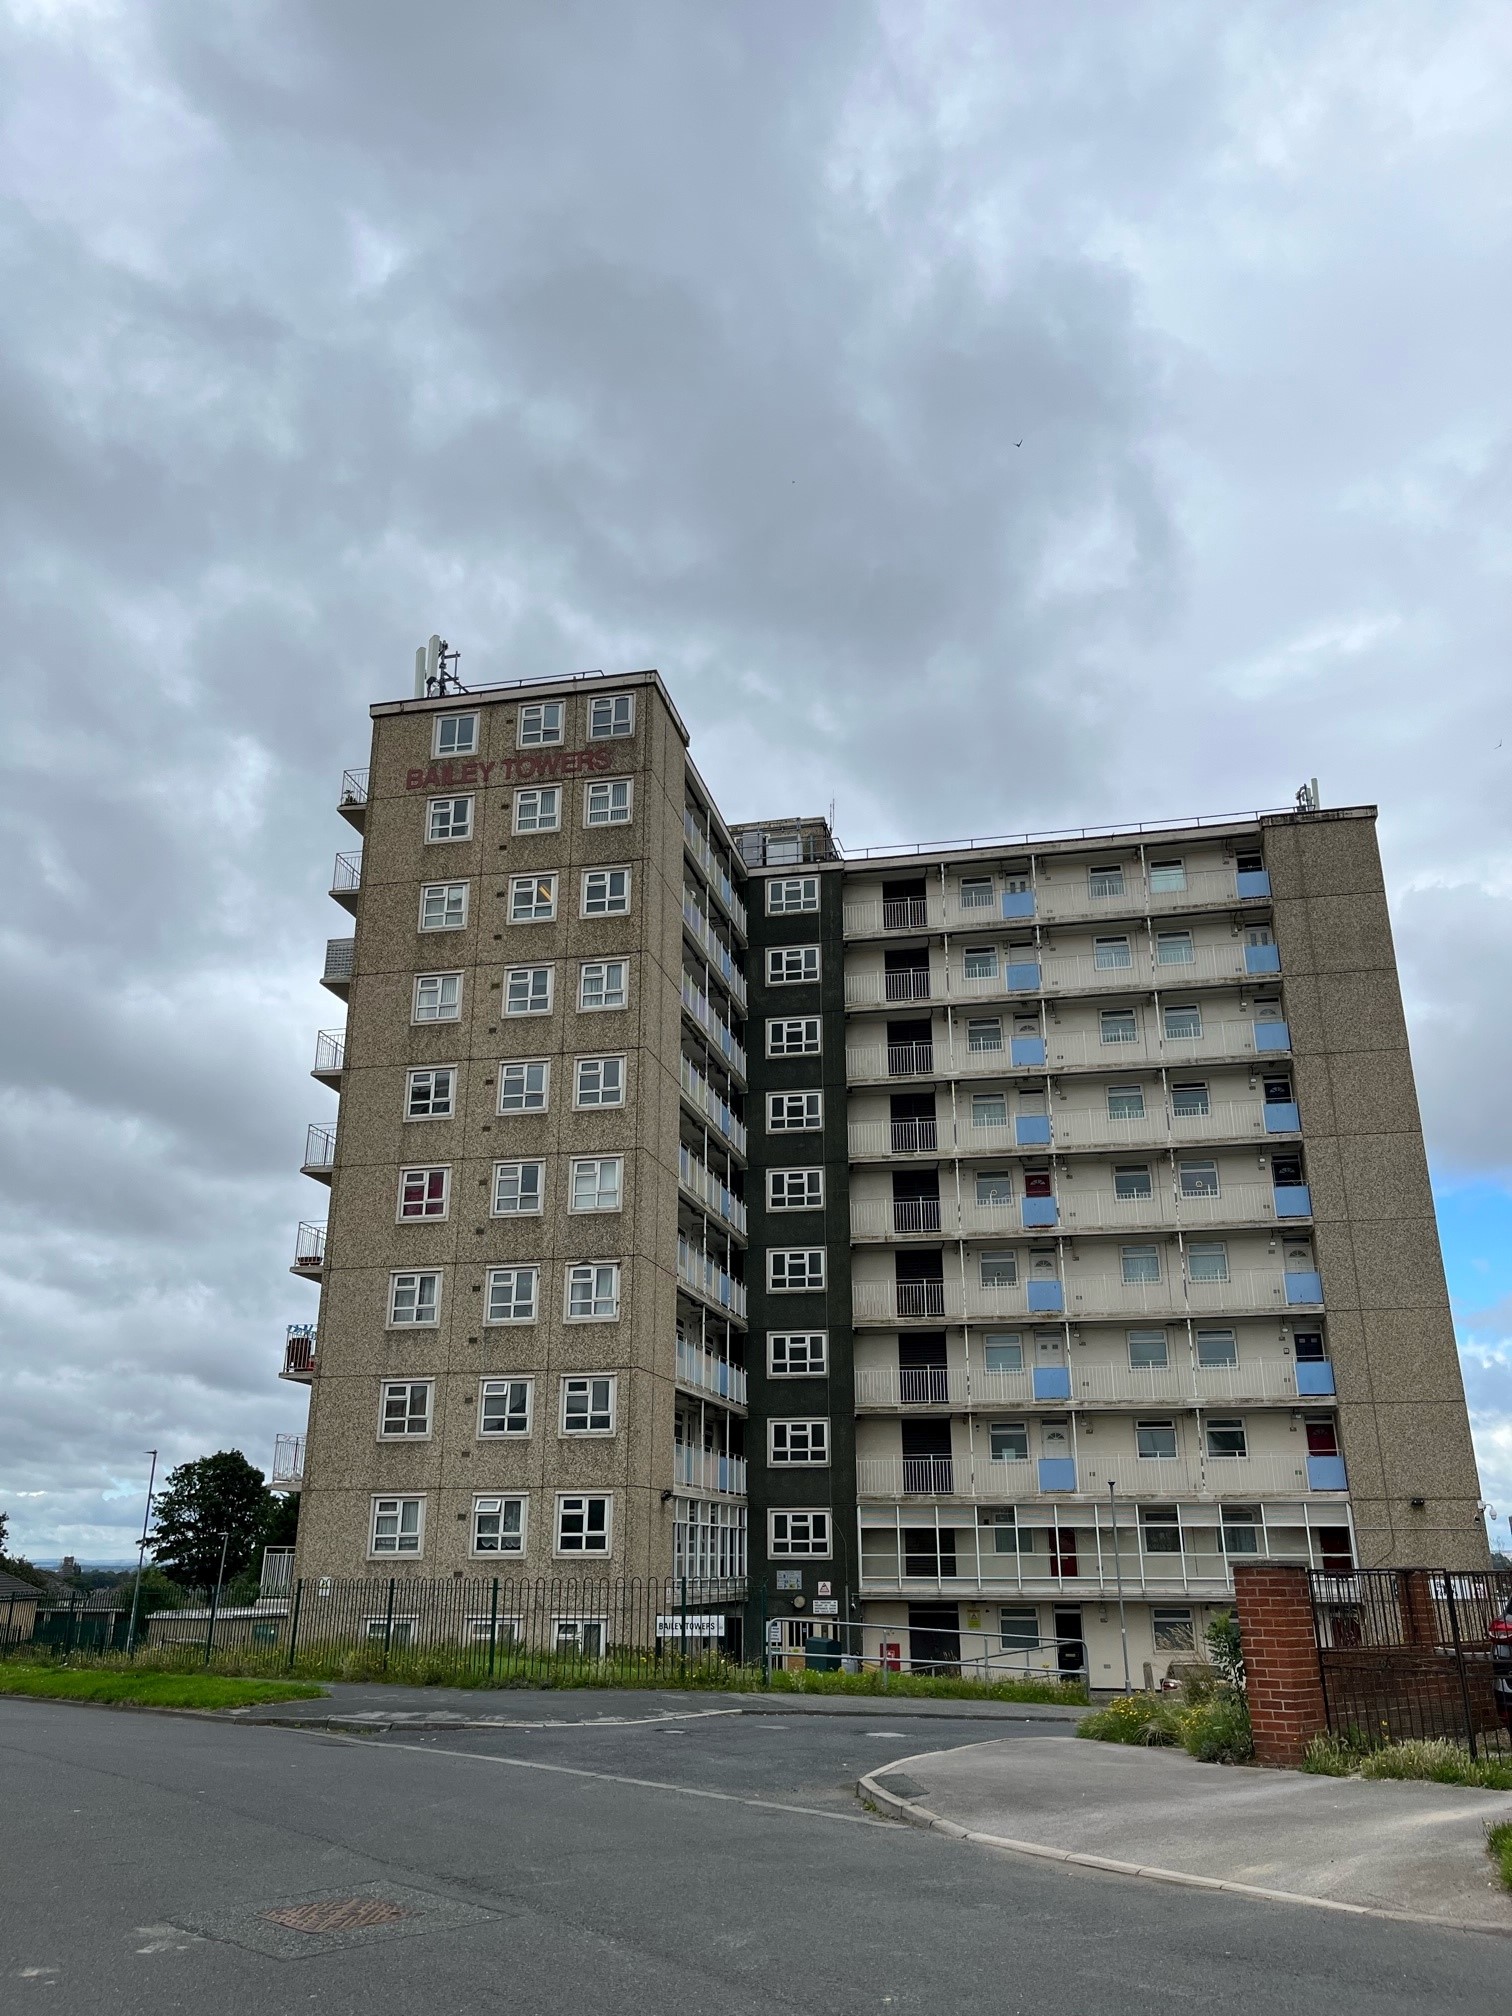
[337, 1914]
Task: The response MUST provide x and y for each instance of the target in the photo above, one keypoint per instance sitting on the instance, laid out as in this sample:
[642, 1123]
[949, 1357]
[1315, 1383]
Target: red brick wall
[1283, 1680]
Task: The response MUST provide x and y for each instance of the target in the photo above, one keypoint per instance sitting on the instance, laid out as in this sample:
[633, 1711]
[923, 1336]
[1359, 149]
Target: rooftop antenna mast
[432, 679]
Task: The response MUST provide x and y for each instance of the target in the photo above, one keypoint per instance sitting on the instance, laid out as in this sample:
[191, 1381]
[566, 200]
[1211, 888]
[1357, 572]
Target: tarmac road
[716, 1864]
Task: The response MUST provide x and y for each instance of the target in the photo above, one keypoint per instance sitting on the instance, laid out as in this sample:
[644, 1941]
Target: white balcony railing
[288, 1462]
[709, 1190]
[1087, 1296]
[707, 1277]
[702, 1096]
[709, 1373]
[708, 1470]
[709, 1019]
[968, 1386]
[1239, 1120]
[713, 947]
[718, 879]
[1065, 1050]
[914, 1386]
[1185, 1476]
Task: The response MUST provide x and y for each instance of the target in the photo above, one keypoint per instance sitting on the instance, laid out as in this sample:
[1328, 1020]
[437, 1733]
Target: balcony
[353, 802]
[718, 880]
[340, 955]
[714, 949]
[705, 1372]
[707, 1103]
[905, 913]
[319, 1153]
[968, 1388]
[1326, 1473]
[709, 1191]
[705, 1277]
[708, 1470]
[1087, 1209]
[299, 1354]
[330, 1057]
[708, 1018]
[1087, 1477]
[1282, 1116]
[1225, 1120]
[277, 1578]
[891, 1386]
[1250, 1291]
[1304, 1288]
[309, 1252]
[346, 881]
[288, 1463]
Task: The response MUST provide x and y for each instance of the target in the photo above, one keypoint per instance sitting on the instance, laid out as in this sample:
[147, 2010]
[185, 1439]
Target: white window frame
[1230, 1336]
[787, 895]
[430, 1072]
[579, 1167]
[614, 901]
[599, 807]
[1129, 1280]
[576, 1269]
[566, 1504]
[522, 1271]
[1234, 1424]
[807, 1262]
[525, 1065]
[378, 1508]
[1112, 944]
[427, 1170]
[536, 796]
[799, 1442]
[619, 708]
[794, 1036]
[408, 1387]
[1214, 1252]
[446, 828]
[582, 1105]
[1105, 1021]
[1157, 1425]
[1004, 1266]
[989, 1025]
[1170, 1008]
[603, 968]
[438, 736]
[501, 1171]
[778, 963]
[534, 727]
[533, 1006]
[578, 1395]
[1164, 939]
[800, 1533]
[795, 1189]
[809, 1106]
[448, 892]
[1164, 867]
[533, 898]
[814, 1352]
[1126, 1092]
[437, 982]
[1147, 1334]
[508, 1381]
[492, 1504]
[417, 1275]
[989, 1109]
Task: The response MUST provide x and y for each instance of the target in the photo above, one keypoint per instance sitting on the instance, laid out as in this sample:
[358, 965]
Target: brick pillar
[1419, 1619]
[1283, 1679]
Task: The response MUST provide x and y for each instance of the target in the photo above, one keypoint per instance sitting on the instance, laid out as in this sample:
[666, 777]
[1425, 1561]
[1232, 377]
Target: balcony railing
[969, 1386]
[713, 948]
[277, 1573]
[1066, 1050]
[709, 1373]
[1055, 974]
[299, 1353]
[709, 1019]
[1065, 898]
[912, 1386]
[288, 1462]
[352, 804]
[707, 1277]
[1248, 1292]
[340, 956]
[905, 913]
[719, 881]
[330, 1054]
[981, 1477]
[309, 1249]
[319, 1151]
[701, 1095]
[709, 1190]
[708, 1470]
[1225, 1120]
[346, 880]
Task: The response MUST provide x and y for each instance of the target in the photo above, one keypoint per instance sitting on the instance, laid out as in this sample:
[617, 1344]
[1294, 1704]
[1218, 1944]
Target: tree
[15, 1564]
[214, 1495]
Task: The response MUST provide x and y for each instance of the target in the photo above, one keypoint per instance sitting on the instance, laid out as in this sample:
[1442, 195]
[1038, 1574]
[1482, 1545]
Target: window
[1182, 1023]
[524, 1087]
[999, 1270]
[1155, 1441]
[794, 1112]
[1173, 948]
[994, 1186]
[449, 819]
[527, 990]
[456, 735]
[797, 1354]
[1018, 1627]
[538, 810]
[532, 899]
[599, 1081]
[1190, 1102]
[1167, 878]
[498, 1526]
[1126, 1102]
[1108, 954]
[443, 906]
[583, 1524]
[398, 1525]
[791, 1270]
[792, 892]
[606, 892]
[976, 892]
[793, 1036]
[504, 1406]
[1107, 880]
[540, 724]
[513, 1295]
[1003, 1351]
[607, 804]
[423, 1193]
[518, 1189]
[1131, 1183]
[796, 1442]
[1008, 1441]
[1217, 1347]
[1240, 1530]
[1226, 1438]
[438, 998]
[588, 1405]
[593, 1292]
[1139, 1264]
[430, 1095]
[1197, 1179]
[798, 1536]
[795, 1189]
[1161, 1527]
[603, 983]
[1147, 1350]
[598, 1182]
[1173, 1630]
[989, 1109]
[414, 1298]
[1207, 1260]
[980, 962]
[406, 1408]
[1118, 1025]
[611, 717]
[1308, 1345]
[792, 965]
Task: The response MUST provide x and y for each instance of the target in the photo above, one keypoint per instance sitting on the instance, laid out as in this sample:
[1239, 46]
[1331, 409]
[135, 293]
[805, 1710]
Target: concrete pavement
[1416, 1850]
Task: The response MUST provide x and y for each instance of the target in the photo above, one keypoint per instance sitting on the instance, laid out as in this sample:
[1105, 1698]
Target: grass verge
[148, 1689]
[1215, 1729]
[1437, 1760]
[1499, 1848]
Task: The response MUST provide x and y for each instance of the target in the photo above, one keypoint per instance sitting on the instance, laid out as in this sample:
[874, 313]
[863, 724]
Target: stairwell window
[528, 990]
[414, 1299]
[513, 1295]
[608, 804]
[792, 965]
[532, 899]
[611, 717]
[795, 1270]
[798, 1442]
[538, 810]
[1139, 1265]
[1118, 1025]
[431, 1095]
[792, 892]
[540, 724]
[525, 1086]
[1207, 1260]
[449, 819]
[443, 906]
[438, 998]
[1226, 1438]
[456, 735]
[423, 1193]
[797, 1354]
[793, 1536]
[606, 892]
[795, 1189]
[1173, 948]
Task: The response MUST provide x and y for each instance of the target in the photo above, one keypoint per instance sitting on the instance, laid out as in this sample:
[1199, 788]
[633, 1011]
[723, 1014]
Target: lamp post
[136, 1593]
[220, 1576]
[1123, 1622]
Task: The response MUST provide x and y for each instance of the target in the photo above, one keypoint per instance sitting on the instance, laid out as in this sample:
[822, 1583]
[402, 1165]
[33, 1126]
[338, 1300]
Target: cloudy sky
[701, 334]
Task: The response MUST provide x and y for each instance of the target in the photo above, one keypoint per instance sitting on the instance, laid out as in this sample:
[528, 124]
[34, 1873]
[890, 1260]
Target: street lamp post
[1123, 1622]
[220, 1576]
[136, 1593]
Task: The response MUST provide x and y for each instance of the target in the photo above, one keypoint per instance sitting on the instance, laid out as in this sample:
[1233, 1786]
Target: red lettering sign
[544, 764]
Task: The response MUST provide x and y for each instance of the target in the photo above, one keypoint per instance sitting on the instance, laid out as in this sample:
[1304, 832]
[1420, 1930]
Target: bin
[822, 1655]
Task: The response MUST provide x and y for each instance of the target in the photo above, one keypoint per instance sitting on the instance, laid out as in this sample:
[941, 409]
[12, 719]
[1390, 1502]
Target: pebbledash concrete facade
[974, 1246]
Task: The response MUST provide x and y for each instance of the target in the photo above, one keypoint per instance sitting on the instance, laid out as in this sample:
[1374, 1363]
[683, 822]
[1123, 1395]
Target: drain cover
[336, 1914]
